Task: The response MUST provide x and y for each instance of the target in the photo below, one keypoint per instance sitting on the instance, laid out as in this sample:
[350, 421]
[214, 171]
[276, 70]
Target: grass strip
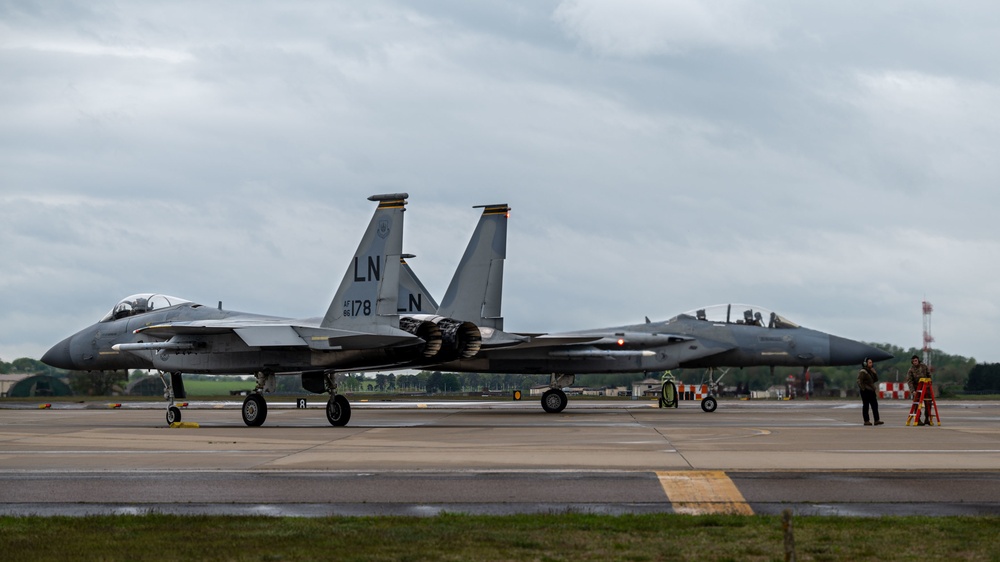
[576, 537]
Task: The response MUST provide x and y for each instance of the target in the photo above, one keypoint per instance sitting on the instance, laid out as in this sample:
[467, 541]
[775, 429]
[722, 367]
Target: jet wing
[275, 334]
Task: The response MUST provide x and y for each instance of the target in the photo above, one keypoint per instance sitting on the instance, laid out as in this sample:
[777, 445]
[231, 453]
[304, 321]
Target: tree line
[951, 373]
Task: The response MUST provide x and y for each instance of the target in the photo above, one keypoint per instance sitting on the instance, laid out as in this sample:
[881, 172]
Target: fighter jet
[713, 337]
[361, 329]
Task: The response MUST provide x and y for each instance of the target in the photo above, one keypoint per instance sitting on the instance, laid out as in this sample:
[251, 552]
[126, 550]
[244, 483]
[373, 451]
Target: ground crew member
[919, 371]
[867, 377]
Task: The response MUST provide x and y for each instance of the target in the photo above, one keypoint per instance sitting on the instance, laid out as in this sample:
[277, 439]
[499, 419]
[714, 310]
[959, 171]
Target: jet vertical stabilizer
[471, 321]
[367, 297]
[476, 289]
[414, 298]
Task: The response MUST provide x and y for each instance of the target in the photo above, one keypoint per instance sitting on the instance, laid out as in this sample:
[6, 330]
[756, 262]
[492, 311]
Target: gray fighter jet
[713, 337]
[361, 329]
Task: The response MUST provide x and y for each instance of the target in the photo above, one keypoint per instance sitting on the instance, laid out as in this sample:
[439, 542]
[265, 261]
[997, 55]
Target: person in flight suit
[867, 377]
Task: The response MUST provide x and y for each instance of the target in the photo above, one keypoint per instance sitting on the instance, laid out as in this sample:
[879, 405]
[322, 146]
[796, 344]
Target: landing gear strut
[173, 412]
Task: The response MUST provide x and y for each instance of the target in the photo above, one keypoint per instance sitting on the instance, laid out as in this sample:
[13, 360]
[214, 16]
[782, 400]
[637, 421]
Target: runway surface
[424, 458]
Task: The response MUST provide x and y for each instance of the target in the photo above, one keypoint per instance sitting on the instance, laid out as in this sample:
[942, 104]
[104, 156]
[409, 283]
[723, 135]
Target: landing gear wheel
[338, 410]
[254, 410]
[554, 401]
[173, 415]
[709, 404]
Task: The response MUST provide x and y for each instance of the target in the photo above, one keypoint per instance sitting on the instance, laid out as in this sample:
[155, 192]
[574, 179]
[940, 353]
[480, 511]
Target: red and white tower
[928, 338]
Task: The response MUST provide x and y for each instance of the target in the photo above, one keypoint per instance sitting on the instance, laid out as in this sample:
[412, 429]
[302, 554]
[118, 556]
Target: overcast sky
[836, 162]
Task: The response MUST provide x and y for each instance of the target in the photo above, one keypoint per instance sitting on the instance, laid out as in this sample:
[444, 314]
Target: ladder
[925, 391]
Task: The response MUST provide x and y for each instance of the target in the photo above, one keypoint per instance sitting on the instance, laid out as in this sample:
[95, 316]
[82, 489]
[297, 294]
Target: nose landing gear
[172, 389]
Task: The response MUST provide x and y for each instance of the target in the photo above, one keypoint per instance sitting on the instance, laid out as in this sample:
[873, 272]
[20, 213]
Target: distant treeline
[952, 373]
[984, 377]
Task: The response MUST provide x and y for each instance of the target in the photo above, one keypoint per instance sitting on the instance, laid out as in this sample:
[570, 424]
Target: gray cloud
[829, 161]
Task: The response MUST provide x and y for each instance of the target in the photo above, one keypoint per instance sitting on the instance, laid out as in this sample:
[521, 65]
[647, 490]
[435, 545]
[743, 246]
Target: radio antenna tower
[928, 338]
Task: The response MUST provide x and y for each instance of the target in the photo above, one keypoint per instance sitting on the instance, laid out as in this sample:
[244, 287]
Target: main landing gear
[338, 409]
[554, 399]
[254, 408]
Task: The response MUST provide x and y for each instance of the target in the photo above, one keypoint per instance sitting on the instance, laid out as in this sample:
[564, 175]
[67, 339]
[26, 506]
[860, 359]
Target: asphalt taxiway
[420, 458]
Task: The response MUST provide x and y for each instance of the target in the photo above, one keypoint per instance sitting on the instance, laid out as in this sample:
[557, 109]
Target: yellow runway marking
[697, 492]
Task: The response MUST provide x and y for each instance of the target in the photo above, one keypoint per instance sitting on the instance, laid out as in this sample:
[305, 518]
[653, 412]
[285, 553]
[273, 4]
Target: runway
[424, 458]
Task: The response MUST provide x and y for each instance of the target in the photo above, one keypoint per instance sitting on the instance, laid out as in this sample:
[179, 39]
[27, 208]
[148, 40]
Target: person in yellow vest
[919, 371]
[867, 377]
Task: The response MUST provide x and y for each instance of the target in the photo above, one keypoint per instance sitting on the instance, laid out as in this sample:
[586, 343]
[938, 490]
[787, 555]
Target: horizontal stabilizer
[493, 339]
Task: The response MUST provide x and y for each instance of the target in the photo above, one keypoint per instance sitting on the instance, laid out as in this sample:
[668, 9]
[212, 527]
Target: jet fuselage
[682, 342]
[221, 351]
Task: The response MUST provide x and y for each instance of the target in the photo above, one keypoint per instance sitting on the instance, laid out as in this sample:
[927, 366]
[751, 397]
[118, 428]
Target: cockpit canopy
[740, 314]
[140, 304]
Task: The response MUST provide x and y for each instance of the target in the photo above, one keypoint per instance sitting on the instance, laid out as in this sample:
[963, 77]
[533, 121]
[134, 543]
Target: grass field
[216, 388]
[575, 537]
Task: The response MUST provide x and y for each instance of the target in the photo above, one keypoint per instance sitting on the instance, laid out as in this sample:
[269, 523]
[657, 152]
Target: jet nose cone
[59, 356]
[848, 352]
[877, 355]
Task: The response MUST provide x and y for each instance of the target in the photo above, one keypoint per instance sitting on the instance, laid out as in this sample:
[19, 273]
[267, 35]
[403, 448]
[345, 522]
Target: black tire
[173, 415]
[554, 401]
[338, 410]
[709, 404]
[254, 410]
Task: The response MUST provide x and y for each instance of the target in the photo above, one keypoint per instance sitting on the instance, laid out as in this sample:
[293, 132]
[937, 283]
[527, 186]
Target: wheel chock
[189, 425]
[44, 406]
